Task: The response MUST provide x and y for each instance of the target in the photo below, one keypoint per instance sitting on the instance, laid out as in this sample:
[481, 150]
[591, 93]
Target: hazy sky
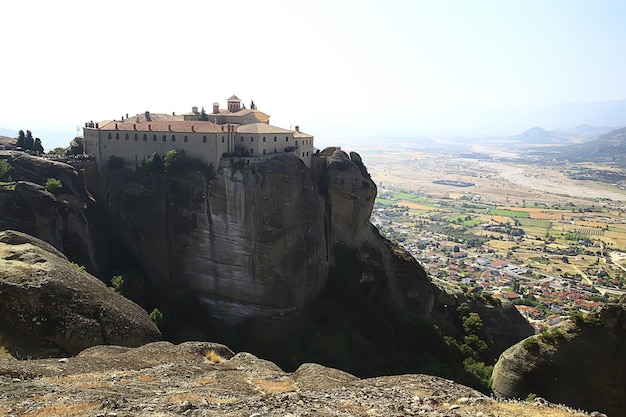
[336, 68]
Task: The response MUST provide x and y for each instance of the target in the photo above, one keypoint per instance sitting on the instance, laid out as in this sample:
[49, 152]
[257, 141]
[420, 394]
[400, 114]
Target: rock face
[261, 238]
[250, 242]
[267, 237]
[208, 379]
[47, 307]
[579, 363]
[67, 221]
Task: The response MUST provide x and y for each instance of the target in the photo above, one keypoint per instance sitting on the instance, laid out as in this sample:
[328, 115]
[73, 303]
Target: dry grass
[275, 387]
[64, 410]
[147, 378]
[205, 381]
[213, 356]
[525, 410]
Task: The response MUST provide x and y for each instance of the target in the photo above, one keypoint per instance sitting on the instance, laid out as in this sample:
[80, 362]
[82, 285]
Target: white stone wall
[208, 147]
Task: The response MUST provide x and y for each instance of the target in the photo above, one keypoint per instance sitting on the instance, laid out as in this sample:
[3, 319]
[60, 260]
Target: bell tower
[234, 104]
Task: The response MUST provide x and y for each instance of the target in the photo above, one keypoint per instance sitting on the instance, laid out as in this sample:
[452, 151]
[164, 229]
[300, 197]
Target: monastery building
[234, 131]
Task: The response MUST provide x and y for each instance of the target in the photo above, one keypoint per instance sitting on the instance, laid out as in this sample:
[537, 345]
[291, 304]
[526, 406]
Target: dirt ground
[494, 181]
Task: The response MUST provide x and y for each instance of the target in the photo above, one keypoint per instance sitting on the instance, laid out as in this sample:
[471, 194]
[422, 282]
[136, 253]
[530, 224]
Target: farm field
[520, 227]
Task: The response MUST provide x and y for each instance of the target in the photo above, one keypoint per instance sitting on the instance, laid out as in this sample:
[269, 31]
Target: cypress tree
[29, 143]
[21, 138]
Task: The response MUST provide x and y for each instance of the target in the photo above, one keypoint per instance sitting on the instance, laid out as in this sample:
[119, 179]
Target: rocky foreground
[207, 379]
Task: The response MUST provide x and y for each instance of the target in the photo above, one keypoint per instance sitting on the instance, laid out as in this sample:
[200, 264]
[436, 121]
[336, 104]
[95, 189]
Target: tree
[58, 151]
[38, 147]
[29, 142]
[203, 115]
[155, 163]
[21, 138]
[174, 159]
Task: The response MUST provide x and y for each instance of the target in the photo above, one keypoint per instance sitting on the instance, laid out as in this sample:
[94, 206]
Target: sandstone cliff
[580, 363]
[67, 220]
[48, 307]
[285, 263]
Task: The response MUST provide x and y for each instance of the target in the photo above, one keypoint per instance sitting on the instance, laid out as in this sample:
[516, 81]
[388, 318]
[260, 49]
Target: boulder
[49, 306]
[579, 362]
[67, 220]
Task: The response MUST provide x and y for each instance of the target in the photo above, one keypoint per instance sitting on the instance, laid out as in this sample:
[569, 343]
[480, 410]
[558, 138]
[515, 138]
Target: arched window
[296, 143]
[173, 138]
[127, 137]
[222, 139]
[186, 139]
[117, 136]
[274, 138]
[203, 139]
[109, 135]
[164, 138]
[145, 137]
[136, 136]
[263, 138]
[287, 139]
[154, 137]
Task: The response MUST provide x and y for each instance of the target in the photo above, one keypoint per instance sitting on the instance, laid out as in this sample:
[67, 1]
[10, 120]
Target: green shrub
[530, 344]
[4, 169]
[552, 336]
[53, 185]
[530, 397]
[174, 159]
[586, 320]
[115, 162]
[79, 268]
[156, 316]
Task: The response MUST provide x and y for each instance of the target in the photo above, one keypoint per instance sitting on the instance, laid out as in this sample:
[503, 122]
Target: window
[127, 137]
[185, 139]
[251, 139]
[242, 138]
[203, 139]
[173, 138]
[153, 137]
[274, 150]
[274, 138]
[263, 151]
[136, 136]
[164, 138]
[145, 137]
[296, 143]
[263, 138]
[287, 139]
[109, 135]
[117, 136]
[222, 139]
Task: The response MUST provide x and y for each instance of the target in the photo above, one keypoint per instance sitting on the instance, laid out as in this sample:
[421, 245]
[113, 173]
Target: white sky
[337, 68]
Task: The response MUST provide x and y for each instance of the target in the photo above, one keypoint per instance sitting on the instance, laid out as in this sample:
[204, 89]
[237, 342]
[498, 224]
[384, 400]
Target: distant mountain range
[609, 147]
[577, 134]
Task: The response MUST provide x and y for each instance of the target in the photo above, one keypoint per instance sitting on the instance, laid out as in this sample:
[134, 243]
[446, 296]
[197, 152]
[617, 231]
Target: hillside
[610, 147]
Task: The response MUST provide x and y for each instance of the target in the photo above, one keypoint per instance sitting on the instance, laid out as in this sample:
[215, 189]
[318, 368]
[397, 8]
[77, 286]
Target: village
[550, 255]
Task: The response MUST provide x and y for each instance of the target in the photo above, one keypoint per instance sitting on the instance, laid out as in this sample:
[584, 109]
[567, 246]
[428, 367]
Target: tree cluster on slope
[26, 141]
